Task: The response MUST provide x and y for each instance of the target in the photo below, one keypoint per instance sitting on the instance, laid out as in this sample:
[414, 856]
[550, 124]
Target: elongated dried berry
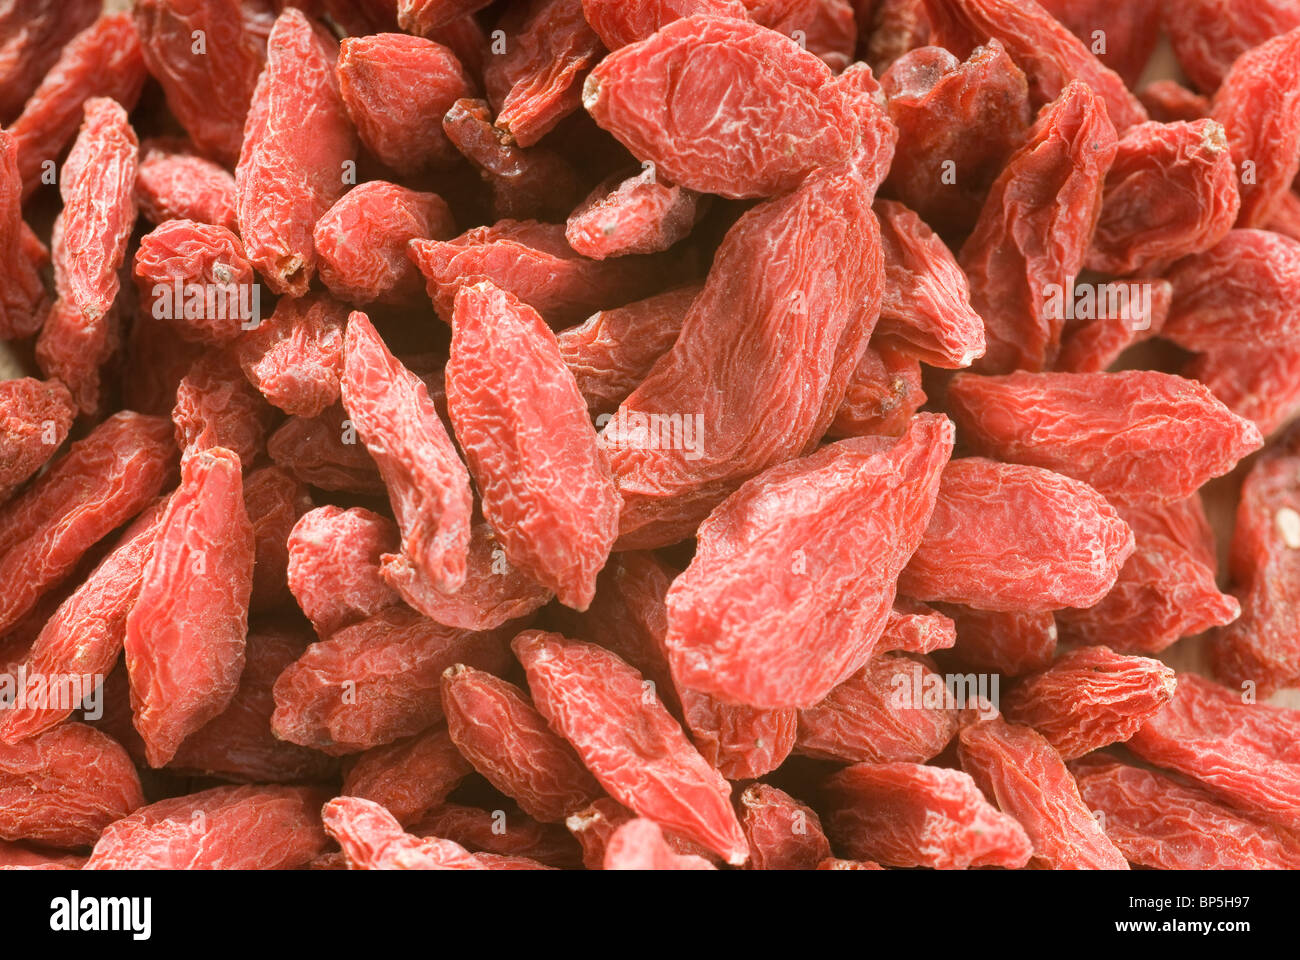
[35, 417]
[372, 839]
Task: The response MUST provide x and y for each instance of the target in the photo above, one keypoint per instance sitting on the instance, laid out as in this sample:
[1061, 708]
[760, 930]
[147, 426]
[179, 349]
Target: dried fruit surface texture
[35, 417]
[1136, 437]
[64, 787]
[225, 828]
[297, 152]
[1208, 36]
[1243, 752]
[795, 286]
[1035, 228]
[545, 482]
[783, 833]
[427, 483]
[185, 634]
[372, 839]
[333, 570]
[1022, 773]
[1160, 823]
[757, 137]
[1017, 539]
[908, 815]
[23, 300]
[1263, 647]
[628, 740]
[793, 580]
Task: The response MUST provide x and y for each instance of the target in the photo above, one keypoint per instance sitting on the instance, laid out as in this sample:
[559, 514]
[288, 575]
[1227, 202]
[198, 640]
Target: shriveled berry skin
[375, 681]
[545, 483]
[15, 856]
[1259, 107]
[628, 740]
[1263, 647]
[1209, 36]
[23, 300]
[1020, 771]
[35, 417]
[1094, 346]
[865, 719]
[102, 61]
[427, 483]
[908, 815]
[291, 171]
[971, 114]
[372, 839]
[295, 356]
[1005, 642]
[1050, 55]
[216, 406]
[638, 214]
[238, 744]
[424, 16]
[408, 777]
[1017, 539]
[1130, 31]
[537, 82]
[361, 241]
[594, 825]
[1161, 823]
[1034, 229]
[796, 285]
[35, 33]
[1168, 101]
[64, 786]
[83, 637]
[103, 480]
[208, 87]
[275, 500]
[883, 395]
[225, 828]
[173, 184]
[327, 452]
[97, 185]
[501, 832]
[783, 833]
[913, 627]
[183, 255]
[185, 634]
[1171, 192]
[619, 24]
[639, 844]
[1138, 436]
[1242, 752]
[333, 571]
[660, 98]
[834, 529]
[500, 732]
[396, 89]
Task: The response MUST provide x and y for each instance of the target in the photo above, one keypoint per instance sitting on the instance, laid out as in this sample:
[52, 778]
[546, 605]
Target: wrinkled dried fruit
[333, 568]
[35, 417]
[295, 356]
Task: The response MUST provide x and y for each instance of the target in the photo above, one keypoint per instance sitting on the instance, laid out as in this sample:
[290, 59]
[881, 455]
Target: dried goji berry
[618, 23]
[545, 483]
[908, 815]
[410, 776]
[883, 395]
[34, 33]
[1095, 345]
[501, 832]
[372, 839]
[333, 570]
[613, 351]
[1009, 643]
[98, 191]
[396, 89]
[1161, 823]
[795, 286]
[1259, 107]
[1050, 188]
[14, 856]
[421, 16]
[729, 139]
[1042, 46]
[325, 451]
[184, 637]
[1209, 36]
[783, 833]
[102, 61]
[824, 27]
[884, 713]
[1168, 101]
[1090, 698]
[295, 356]
[505, 738]
[216, 406]
[297, 151]
[274, 500]
[23, 300]
[428, 484]
[628, 740]
[201, 54]
[538, 80]
[195, 277]
[35, 417]
[639, 844]
[638, 214]
[1121, 35]
[63, 787]
[1020, 771]
[102, 481]
[375, 681]
[958, 123]
[361, 241]
[915, 628]
[1017, 539]
[225, 828]
[783, 625]
[171, 184]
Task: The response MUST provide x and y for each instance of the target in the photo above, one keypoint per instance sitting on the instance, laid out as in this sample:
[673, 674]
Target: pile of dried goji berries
[511, 435]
